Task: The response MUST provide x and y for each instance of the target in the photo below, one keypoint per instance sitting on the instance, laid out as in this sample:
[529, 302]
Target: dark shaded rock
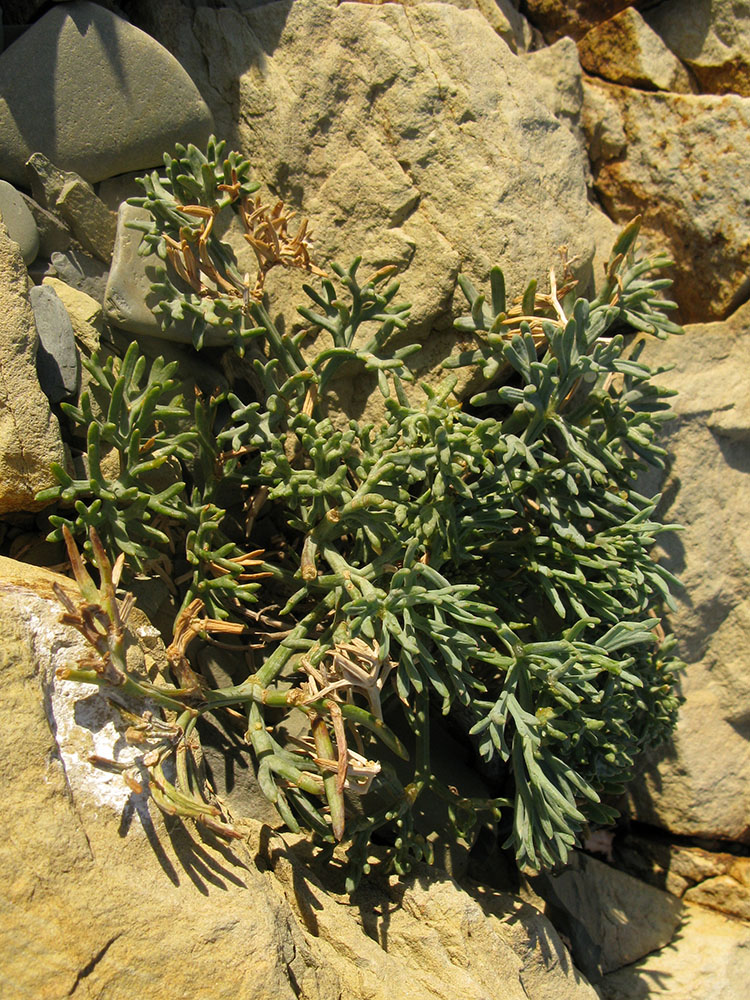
[57, 357]
[80, 271]
[54, 235]
[19, 221]
[95, 94]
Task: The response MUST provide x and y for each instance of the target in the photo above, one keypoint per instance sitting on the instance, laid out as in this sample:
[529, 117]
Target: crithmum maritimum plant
[487, 560]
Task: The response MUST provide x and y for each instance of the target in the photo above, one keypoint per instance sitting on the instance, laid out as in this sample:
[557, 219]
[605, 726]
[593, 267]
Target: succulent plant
[488, 560]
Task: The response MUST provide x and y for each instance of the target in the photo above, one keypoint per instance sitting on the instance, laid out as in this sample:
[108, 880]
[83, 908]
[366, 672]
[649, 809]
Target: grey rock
[90, 221]
[559, 79]
[80, 271]
[57, 357]
[95, 94]
[19, 221]
[611, 918]
[128, 298]
[29, 433]
[68, 195]
[54, 235]
[45, 179]
[115, 190]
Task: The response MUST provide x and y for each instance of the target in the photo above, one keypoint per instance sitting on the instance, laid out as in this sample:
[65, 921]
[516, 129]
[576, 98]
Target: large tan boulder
[102, 896]
[701, 785]
[683, 163]
[400, 144]
[29, 433]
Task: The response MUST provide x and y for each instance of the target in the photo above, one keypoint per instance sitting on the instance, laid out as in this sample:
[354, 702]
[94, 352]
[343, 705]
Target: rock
[602, 124]
[626, 50]
[434, 161]
[128, 295]
[708, 960]
[19, 221]
[56, 357]
[29, 433]
[557, 18]
[699, 786]
[714, 41]
[115, 190]
[81, 272]
[672, 866]
[72, 198]
[46, 180]
[85, 314]
[557, 72]
[90, 221]
[611, 918]
[53, 234]
[722, 893]
[95, 94]
[259, 919]
[685, 161]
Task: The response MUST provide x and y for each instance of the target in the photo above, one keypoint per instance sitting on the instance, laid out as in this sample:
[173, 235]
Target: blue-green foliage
[493, 554]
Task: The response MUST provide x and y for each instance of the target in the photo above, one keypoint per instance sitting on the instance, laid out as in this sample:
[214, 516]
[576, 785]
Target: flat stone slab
[94, 94]
[57, 356]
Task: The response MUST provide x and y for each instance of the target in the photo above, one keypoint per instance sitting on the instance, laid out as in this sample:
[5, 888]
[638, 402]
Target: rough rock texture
[29, 434]
[19, 221]
[97, 889]
[685, 162]
[701, 785]
[708, 960]
[675, 867]
[53, 233]
[626, 50]
[611, 918]
[556, 18]
[714, 41]
[557, 72]
[398, 142]
[89, 219]
[95, 94]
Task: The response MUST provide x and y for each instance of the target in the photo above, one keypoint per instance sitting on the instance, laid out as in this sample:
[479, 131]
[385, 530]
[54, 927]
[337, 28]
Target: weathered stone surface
[675, 867]
[94, 94]
[723, 893]
[714, 41]
[53, 233]
[701, 785]
[56, 357]
[90, 221]
[626, 50]
[29, 433]
[435, 160]
[557, 18]
[611, 918]
[709, 959]
[72, 198]
[19, 221]
[80, 271]
[557, 72]
[84, 312]
[269, 933]
[685, 161]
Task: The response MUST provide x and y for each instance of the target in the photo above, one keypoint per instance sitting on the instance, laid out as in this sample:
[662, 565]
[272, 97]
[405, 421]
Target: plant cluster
[487, 559]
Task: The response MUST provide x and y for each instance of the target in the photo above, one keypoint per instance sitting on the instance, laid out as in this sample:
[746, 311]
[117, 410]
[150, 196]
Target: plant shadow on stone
[485, 559]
